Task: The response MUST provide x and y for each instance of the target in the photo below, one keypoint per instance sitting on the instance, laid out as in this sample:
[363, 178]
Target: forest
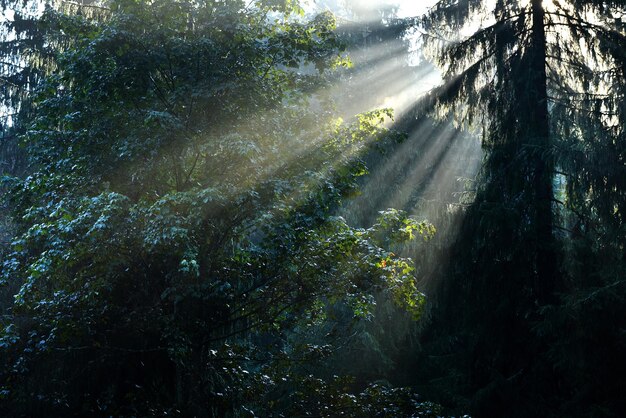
[313, 208]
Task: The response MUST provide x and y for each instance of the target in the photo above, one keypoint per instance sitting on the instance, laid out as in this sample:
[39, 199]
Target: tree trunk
[540, 143]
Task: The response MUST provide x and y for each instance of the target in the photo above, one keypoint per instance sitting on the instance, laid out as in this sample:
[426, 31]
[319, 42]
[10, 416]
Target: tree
[175, 233]
[544, 81]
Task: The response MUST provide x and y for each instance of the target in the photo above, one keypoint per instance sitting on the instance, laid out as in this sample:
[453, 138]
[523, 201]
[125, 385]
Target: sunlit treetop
[478, 44]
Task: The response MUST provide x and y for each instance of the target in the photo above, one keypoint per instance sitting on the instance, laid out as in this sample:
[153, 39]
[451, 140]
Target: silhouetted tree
[544, 82]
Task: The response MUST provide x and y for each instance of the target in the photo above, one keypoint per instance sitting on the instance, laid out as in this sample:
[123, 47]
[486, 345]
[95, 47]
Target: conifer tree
[543, 81]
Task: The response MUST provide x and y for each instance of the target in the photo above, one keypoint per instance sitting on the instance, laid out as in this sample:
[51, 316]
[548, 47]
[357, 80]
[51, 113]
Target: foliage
[175, 233]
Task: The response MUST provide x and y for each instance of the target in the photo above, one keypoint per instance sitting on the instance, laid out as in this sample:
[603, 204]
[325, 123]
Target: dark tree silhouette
[544, 81]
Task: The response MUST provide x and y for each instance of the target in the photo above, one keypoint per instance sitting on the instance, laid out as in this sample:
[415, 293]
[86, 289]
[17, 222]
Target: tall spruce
[543, 81]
